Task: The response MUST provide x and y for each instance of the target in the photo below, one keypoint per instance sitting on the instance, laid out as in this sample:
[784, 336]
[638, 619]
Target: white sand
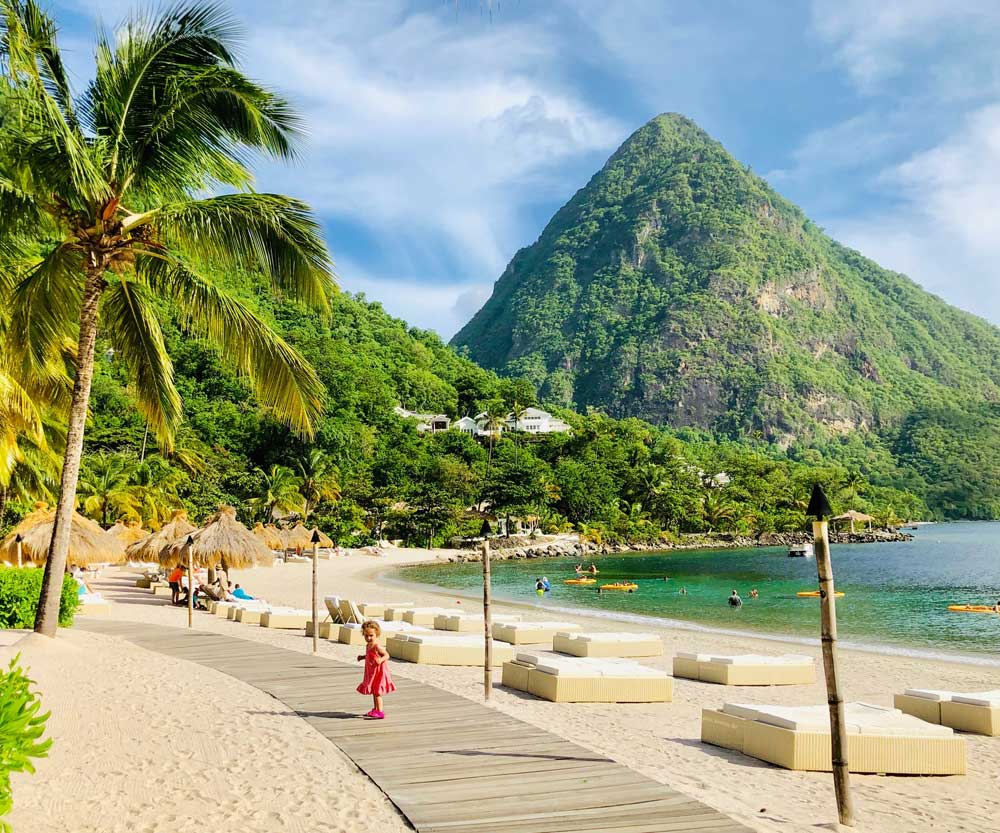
[660, 741]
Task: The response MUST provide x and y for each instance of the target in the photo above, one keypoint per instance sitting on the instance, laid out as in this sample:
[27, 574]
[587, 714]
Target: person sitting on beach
[735, 600]
[175, 582]
[240, 593]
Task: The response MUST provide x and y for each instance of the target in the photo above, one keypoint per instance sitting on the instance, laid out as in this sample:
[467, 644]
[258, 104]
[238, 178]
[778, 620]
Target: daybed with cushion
[288, 618]
[376, 610]
[444, 649]
[94, 604]
[468, 622]
[745, 669]
[394, 613]
[563, 679]
[351, 634]
[528, 633]
[607, 644]
[879, 740]
[978, 712]
[423, 616]
[248, 614]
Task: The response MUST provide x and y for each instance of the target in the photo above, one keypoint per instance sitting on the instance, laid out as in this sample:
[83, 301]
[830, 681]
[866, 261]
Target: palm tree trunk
[3, 504]
[47, 614]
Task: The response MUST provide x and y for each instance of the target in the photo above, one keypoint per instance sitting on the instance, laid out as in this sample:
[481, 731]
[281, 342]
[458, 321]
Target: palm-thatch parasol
[88, 543]
[270, 535]
[324, 539]
[298, 537]
[222, 540]
[148, 549]
[128, 532]
[852, 516]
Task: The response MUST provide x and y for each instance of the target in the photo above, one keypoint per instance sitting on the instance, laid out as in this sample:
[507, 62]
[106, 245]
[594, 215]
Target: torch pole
[190, 561]
[487, 623]
[315, 584]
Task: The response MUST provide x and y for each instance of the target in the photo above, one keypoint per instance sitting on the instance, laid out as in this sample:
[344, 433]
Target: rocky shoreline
[505, 549]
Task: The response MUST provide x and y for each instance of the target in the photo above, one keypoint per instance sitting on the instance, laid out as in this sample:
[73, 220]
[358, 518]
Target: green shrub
[21, 729]
[19, 593]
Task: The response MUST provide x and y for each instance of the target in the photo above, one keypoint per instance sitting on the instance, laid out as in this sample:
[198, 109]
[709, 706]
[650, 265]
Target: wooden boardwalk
[449, 764]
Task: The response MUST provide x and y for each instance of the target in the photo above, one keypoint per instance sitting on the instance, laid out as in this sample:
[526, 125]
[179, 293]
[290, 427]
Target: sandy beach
[122, 762]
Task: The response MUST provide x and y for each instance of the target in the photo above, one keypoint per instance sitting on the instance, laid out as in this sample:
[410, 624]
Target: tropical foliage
[21, 731]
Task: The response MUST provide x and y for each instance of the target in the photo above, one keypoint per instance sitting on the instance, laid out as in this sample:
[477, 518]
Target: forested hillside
[680, 288]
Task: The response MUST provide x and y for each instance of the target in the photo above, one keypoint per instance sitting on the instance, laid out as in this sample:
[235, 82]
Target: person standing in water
[735, 600]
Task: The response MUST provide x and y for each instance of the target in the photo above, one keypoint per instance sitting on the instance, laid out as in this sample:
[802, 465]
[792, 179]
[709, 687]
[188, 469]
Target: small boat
[971, 608]
[580, 581]
[628, 587]
[814, 594]
[800, 551]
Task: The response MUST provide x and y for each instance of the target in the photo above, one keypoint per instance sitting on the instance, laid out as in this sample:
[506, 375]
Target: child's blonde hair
[371, 625]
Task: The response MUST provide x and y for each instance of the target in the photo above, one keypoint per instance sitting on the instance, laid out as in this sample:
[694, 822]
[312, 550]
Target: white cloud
[945, 231]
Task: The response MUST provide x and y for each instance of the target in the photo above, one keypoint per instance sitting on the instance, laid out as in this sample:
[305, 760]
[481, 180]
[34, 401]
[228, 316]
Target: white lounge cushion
[611, 637]
[693, 657]
[930, 694]
[531, 658]
[549, 626]
[758, 659]
[440, 639]
[990, 699]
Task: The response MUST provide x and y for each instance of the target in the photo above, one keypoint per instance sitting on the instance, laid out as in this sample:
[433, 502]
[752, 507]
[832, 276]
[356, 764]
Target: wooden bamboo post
[190, 560]
[487, 623]
[819, 507]
[315, 582]
[17, 540]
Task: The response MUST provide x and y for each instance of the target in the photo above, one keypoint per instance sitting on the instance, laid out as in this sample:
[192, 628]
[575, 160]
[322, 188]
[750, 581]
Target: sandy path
[138, 749]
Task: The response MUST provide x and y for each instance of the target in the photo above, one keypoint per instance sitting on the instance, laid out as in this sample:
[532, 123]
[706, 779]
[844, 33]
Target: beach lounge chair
[563, 679]
[285, 618]
[349, 612]
[424, 616]
[332, 604]
[326, 628]
[376, 610]
[976, 712]
[530, 633]
[94, 604]
[395, 611]
[469, 622]
[444, 649]
[350, 634]
[879, 740]
[745, 669]
[248, 613]
[607, 644]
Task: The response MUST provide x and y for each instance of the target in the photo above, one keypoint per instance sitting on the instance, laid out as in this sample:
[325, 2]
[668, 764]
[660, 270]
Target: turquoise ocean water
[897, 594]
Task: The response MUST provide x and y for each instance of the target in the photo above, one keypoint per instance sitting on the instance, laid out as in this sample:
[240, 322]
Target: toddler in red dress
[377, 680]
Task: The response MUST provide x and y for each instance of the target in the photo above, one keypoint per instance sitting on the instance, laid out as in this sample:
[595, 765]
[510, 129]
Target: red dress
[377, 679]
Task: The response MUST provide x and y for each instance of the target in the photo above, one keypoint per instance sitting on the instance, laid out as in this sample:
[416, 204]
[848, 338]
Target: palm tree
[319, 480]
[102, 212]
[853, 483]
[279, 493]
[716, 508]
[105, 488]
[517, 414]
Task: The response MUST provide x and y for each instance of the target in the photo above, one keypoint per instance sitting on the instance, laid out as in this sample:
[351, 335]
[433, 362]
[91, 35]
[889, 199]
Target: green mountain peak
[679, 287]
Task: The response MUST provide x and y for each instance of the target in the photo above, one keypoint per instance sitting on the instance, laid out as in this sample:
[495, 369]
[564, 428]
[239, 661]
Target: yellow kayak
[620, 586]
[580, 581]
[814, 594]
[971, 608]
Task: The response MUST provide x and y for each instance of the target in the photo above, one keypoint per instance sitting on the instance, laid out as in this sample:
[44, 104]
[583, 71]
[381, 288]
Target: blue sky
[443, 137]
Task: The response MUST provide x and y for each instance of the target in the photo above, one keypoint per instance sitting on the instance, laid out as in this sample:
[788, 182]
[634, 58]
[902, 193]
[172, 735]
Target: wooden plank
[448, 763]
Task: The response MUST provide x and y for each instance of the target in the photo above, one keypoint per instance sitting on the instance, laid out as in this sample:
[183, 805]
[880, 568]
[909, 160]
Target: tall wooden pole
[315, 582]
[487, 623]
[838, 726]
[190, 560]
[17, 540]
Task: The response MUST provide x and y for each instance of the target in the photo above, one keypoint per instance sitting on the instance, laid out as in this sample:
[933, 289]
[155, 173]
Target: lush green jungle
[679, 287]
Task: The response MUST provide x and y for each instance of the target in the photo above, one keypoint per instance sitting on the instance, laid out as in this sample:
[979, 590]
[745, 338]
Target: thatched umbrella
[148, 549]
[88, 543]
[270, 535]
[298, 537]
[324, 539]
[128, 532]
[222, 540]
[852, 516]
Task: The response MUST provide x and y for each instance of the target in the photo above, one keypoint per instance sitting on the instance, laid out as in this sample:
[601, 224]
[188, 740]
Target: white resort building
[530, 421]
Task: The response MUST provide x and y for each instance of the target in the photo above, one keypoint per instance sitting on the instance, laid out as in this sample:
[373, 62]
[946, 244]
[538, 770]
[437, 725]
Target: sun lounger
[285, 618]
[350, 634]
[528, 633]
[607, 644]
[161, 589]
[376, 610]
[563, 679]
[332, 604]
[248, 614]
[879, 740]
[424, 616]
[94, 604]
[978, 712]
[745, 669]
[326, 629]
[394, 612]
[469, 622]
[444, 649]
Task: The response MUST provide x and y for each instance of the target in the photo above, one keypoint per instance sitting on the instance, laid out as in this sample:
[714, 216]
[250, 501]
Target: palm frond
[46, 296]
[130, 323]
[282, 379]
[274, 232]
